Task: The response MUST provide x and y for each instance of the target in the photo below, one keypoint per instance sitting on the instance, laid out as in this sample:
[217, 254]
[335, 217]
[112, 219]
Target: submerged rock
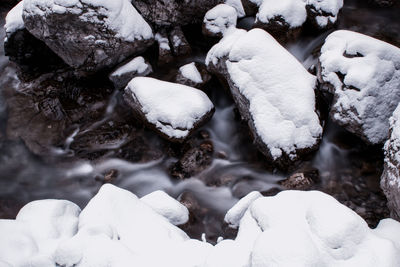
[88, 35]
[173, 110]
[390, 180]
[273, 92]
[363, 73]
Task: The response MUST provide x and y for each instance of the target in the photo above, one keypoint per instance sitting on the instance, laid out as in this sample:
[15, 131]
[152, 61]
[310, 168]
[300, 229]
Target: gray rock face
[174, 12]
[88, 35]
[390, 180]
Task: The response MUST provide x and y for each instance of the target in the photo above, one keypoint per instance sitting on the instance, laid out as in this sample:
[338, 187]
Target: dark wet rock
[244, 75]
[193, 74]
[30, 54]
[302, 180]
[109, 176]
[151, 100]
[136, 67]
[174, 12]
[88, 36]
[201, 219]
[271, 192]
[390, 180]
[362, 103]
[196, 157]
[178, 42]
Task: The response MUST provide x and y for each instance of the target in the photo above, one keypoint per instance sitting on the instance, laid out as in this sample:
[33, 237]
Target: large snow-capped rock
[272, 90]
[284, 18]
[299, 228]
[174, 12]
[390, 180]
[117, 229]
[364, 75]
[173, 110]
[88, 34]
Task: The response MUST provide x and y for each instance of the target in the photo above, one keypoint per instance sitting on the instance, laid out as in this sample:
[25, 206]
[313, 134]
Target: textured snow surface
[116, 229]
[279, 90]
[237, 4]
[14, 19]
[117, 15]
[173, 108]
[220, 18]
[136, 65]
[370, 90]
[190, 72]
[294, 12]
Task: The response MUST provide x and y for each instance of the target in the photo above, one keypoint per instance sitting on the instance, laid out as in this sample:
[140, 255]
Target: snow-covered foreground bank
[116, 228]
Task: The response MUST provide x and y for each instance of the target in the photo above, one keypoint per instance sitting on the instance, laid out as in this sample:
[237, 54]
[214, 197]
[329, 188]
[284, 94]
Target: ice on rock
[136, 67]
[364, 74]
[117, 229]
[173, 110]
[168, 207]
[14, 19]
[390, 180]
[88, 34]
[218, 19]
[273, 91]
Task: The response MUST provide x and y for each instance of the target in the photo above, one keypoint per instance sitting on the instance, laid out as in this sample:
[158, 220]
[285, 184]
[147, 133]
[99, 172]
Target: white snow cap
[294, 12]
[279, 89]
[218, 19]
[116, 229]
[190, 72]
[370, 90]
[14, 20]
[119, 15]
[173, 108]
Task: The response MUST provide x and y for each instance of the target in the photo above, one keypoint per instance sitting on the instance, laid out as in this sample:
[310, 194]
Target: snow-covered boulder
[285, 18]
[174, 12]
[88, 34]
[14, 19]
[173, 110]
[272, 90]
[117, 229]
[134, 68]
[193, 74]
[218, 19]
[364, 75]
[390, 180]
[297, 228]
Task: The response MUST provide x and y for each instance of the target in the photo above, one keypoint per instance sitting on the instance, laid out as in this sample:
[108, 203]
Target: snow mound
[390, 180]
[273, 91]
[88, 34]
[117, 229]
[365, 75]
[174, 110]
[14, 19]
[218, 19]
